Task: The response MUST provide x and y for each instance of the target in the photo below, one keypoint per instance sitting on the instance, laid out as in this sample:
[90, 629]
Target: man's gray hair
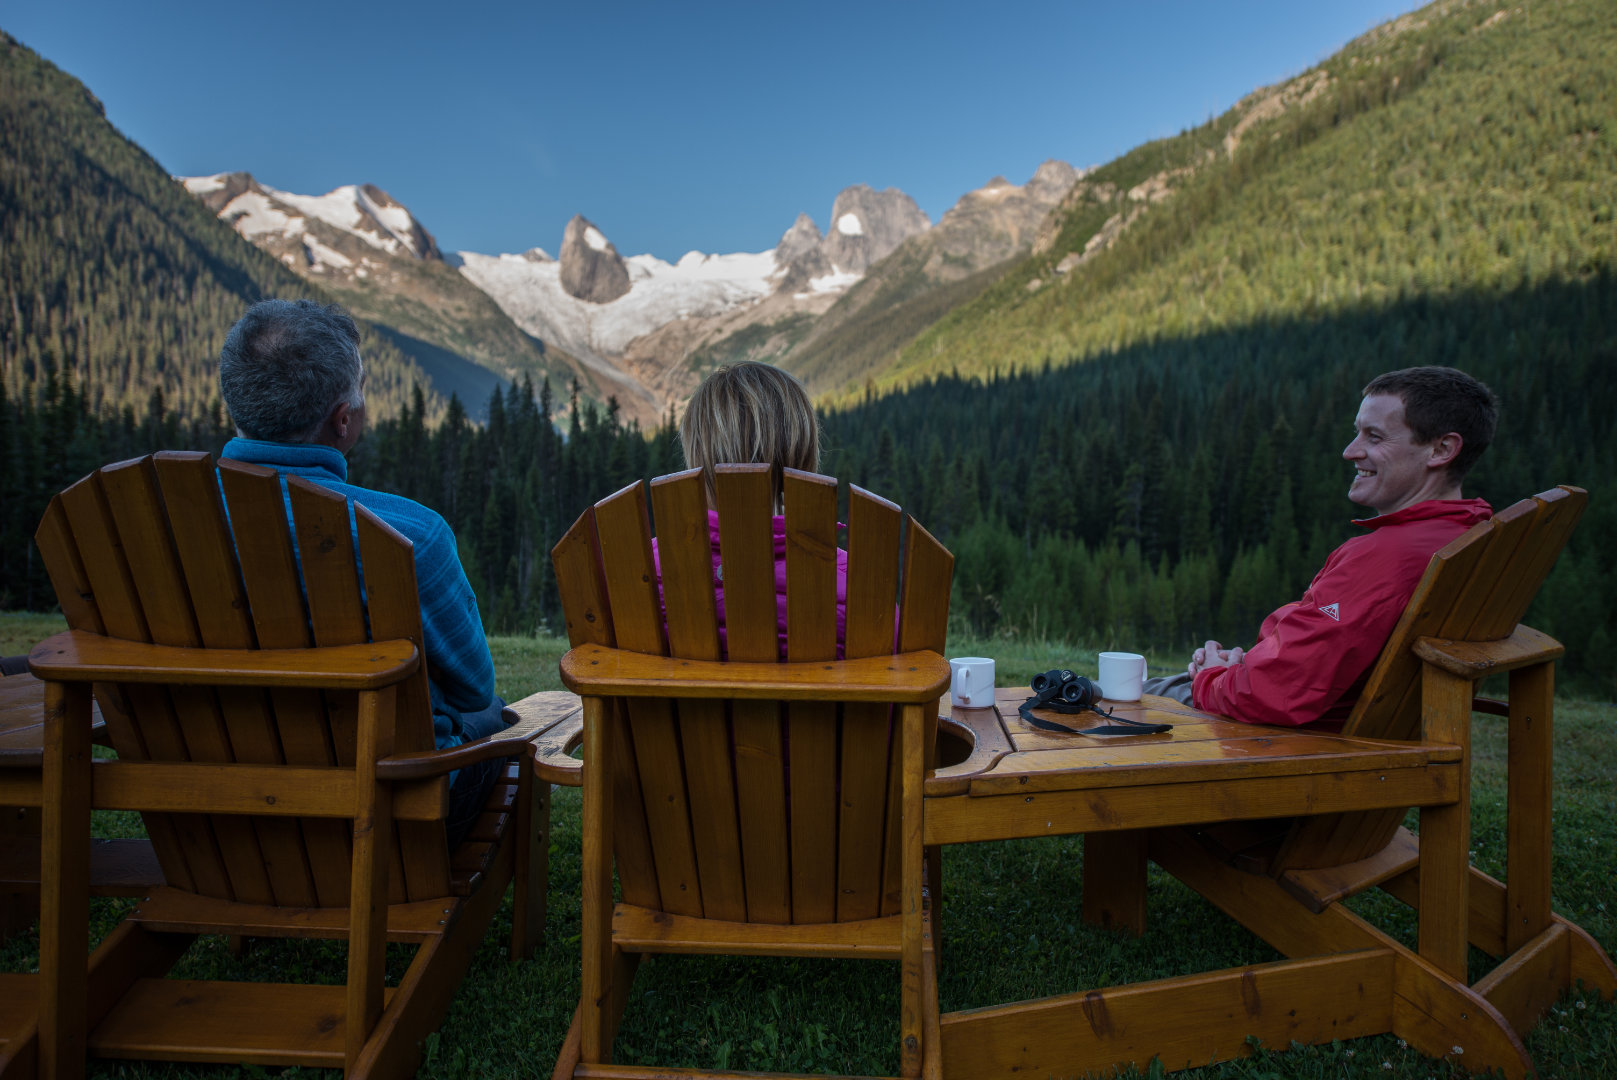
[285, 365]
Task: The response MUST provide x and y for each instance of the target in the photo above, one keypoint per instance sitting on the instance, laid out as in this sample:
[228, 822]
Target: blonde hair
[750, 413]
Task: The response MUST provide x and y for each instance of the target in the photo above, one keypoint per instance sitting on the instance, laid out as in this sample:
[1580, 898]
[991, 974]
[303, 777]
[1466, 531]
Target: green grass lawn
[1013, 931]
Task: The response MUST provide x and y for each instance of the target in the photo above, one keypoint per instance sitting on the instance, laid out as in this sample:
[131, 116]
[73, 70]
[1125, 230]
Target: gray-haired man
[291, 375]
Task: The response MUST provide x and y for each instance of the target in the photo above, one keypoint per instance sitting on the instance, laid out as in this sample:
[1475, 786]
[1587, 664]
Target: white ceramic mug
[971, 684]
[1122, 675]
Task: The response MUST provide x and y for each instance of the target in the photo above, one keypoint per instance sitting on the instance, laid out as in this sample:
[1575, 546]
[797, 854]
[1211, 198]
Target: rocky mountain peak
[866, 225]
[1052, 180]
[383, 215]
[215, 192]
[802, 238]
[591, 268]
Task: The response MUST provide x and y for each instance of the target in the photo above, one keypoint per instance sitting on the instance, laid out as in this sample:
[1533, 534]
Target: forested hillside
[1466, 149]
[112, 275]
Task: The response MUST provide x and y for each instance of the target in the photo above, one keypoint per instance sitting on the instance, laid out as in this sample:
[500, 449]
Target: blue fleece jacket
[460, 670]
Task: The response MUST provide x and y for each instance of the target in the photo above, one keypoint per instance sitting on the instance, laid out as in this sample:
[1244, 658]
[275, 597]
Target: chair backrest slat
[923, 623]
[60, 555]
[745, 496]
[811, 727]
[811, 566]
[326, 557]
[1559, 511]
[1485, 588]
[1389, 705]
[685, 560]
[274, 589]
[685, 555]
[868, 738]
[579, 580]
[624, 533]
[393, 604]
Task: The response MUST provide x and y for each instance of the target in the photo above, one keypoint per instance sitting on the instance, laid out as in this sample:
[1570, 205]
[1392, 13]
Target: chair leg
[567, 1060]
[418, 1004]
[1445, 831]
[368, 889]
[64, 901]
[912, 936]
[931, 1026]
[18, 910]
[933, 884]
[531, 835]
[596, 988]
[1114, 880]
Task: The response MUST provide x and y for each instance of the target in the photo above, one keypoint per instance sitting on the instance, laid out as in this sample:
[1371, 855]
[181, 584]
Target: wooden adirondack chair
[740, 821]
[251, 730]
[1282, 879]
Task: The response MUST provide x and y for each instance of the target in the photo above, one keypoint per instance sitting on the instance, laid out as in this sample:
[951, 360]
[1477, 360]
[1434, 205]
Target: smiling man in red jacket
[1417, 433]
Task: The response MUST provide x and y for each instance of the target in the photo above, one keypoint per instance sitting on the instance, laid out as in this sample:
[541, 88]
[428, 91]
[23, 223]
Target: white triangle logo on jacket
[1333, 611]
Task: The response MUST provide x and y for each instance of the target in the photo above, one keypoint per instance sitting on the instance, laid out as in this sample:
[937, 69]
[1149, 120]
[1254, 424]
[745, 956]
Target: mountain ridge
[1427, 154]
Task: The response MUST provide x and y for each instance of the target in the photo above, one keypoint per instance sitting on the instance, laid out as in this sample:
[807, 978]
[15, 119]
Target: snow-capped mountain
[578, 302]
[286, 222]
[370, 252]
[529, 288]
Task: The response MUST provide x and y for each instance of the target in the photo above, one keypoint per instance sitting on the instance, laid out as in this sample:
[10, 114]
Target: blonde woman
[750, 413]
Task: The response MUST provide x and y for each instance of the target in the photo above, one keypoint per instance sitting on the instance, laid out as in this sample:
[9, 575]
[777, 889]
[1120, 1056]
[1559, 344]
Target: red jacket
[1313, 655]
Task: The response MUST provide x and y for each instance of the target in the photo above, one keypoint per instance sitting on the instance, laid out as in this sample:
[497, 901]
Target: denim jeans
[472, 784]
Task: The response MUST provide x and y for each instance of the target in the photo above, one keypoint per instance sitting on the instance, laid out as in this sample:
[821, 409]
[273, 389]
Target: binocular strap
[1120, 725]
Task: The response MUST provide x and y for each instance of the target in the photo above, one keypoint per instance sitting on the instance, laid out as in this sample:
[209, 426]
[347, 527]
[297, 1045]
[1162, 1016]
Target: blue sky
[672, 126]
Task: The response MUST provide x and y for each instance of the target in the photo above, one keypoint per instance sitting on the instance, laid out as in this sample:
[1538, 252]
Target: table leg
[64, 895]
[18, 910]
[1114, 880]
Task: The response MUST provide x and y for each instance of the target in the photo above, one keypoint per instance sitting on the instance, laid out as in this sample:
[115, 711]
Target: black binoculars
[1059, 687]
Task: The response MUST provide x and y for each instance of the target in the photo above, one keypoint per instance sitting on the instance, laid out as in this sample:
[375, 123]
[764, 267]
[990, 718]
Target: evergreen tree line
[55, 435]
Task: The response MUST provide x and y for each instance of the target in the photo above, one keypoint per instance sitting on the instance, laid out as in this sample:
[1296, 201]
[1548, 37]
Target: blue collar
[295, 457]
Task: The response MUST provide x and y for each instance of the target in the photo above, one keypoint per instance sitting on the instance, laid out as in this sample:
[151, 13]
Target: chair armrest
[530, 724]
[77, 656]
[1475, 659]
[555, 720]
[912, 678]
